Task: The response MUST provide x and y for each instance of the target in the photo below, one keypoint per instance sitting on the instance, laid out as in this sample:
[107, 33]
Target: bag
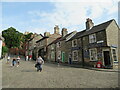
[36, 65]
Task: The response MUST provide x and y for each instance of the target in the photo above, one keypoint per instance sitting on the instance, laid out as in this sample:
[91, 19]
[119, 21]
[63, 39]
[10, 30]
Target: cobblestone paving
[52, 76]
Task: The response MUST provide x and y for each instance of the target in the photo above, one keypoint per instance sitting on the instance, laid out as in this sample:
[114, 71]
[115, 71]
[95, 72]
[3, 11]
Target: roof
[30, 39]
[63, 38]
[77, 35]
[41, 39]
[55, 41]
[94, 29]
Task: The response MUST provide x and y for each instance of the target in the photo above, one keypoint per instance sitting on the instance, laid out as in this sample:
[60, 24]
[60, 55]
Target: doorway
[41, 53]
[63, 56]
[107, 58]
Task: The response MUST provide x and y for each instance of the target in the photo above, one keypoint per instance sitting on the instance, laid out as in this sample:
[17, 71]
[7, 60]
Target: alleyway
[25, 76]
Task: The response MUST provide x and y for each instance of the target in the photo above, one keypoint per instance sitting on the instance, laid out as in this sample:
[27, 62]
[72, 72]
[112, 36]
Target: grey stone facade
[98, 43]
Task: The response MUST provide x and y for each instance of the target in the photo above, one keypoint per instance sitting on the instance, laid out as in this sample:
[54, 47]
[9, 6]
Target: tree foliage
[13, 38]
[28, 36]
[4, 50]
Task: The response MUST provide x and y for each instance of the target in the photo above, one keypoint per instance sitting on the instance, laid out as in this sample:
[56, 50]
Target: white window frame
[93, 49]
[73, 55]
[73, 43]
[92, 38]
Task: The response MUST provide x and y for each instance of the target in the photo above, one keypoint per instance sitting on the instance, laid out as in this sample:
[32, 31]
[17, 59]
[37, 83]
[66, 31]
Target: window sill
[93, 60]
[115, 61]
[74, 60]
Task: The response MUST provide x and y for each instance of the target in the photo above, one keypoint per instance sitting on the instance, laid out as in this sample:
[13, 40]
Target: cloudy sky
[38, 16]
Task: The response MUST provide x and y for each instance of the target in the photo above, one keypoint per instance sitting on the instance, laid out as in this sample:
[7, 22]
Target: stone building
[51, 51]
[60, 47]
[42, 44]
[63, 47]
[97, 43]
[32, 45]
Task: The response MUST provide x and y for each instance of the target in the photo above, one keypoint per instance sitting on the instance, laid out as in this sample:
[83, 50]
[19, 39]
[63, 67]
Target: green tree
[28, 36]
[4, 50]
[12, 37]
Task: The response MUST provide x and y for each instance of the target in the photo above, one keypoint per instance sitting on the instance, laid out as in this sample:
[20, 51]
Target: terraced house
[32, 44]
[42, 44]
[51, 51]
[60, 47]
[96, 43]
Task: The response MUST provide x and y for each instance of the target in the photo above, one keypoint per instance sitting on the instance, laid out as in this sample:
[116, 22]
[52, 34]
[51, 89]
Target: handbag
[36, 65]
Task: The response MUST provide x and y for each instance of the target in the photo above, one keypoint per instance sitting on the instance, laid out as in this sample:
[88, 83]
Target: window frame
[75, 40]
[93, 49]
[92, 38]
[73, 59]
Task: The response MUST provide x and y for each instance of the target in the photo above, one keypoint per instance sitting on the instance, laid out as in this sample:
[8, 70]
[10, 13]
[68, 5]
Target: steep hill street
[52, 76]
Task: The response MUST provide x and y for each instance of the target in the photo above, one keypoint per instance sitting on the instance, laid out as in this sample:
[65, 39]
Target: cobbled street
[52, 76]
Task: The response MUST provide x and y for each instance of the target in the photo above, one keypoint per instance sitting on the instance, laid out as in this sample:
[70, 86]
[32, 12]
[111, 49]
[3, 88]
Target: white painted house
[1, 40]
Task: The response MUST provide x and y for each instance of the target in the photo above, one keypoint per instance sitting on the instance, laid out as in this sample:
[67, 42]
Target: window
[58, 44]
[74, 43]
[75, 56]
[114, 55]
[93, 54]
[52, 47]
[92, 38]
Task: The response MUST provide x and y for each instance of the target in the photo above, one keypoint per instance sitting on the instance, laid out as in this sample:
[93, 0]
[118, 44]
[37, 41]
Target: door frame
[109, 55]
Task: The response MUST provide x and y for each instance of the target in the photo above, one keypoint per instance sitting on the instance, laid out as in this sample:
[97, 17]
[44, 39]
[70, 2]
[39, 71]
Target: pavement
[54, 76]
[86, 67]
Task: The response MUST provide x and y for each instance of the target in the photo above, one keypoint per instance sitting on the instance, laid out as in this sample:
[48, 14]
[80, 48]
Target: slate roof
[55, 41]
[41, 39]
[63, 38]
[94, 29]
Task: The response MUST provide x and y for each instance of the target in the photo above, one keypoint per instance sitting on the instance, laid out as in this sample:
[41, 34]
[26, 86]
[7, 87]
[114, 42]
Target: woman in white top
[39, 61]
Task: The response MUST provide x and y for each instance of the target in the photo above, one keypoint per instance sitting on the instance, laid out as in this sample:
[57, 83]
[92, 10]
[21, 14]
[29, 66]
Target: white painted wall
[0, 48]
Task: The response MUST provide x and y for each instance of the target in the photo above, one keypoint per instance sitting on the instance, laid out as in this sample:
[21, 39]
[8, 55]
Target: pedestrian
[26, 58]
[18, 61]
[39, 62]
[70, 59]
[8, 58]
[13, 62]
[30, 57]
[58, 60]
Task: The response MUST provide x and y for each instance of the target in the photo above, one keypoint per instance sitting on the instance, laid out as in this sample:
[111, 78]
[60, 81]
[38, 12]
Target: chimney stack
[64, 32]
[47, 34]
[56, 29]
[89, 23]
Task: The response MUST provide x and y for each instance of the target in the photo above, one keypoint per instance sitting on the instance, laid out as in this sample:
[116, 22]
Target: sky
[41, 16]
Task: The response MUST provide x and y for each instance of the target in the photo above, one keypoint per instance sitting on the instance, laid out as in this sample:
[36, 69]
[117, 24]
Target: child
[18, 61]
[13, 62]
[8, 59]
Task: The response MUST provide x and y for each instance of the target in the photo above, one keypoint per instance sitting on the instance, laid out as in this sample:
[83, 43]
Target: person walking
[70, 59]
[39, 62]
[58, 60]
[13, 62]
[18, 61]
[26, 58]
[30, 57]
[8, 58]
